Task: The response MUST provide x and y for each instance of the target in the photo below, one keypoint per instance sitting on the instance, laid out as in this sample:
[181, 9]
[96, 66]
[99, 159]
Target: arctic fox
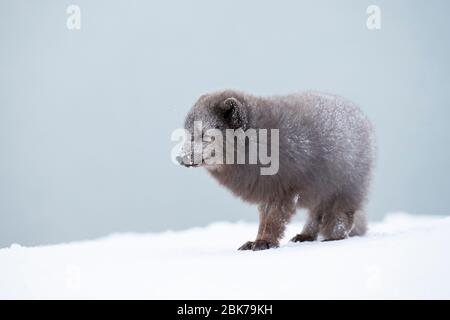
[326, 155]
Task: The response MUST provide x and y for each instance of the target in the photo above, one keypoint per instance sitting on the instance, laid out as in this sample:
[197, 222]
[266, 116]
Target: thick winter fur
[325, 161]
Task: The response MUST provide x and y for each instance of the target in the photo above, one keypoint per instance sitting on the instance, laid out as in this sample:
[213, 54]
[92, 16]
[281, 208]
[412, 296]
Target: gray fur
[326, 159]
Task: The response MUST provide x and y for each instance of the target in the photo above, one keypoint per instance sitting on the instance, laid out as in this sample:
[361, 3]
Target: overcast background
[86, 115]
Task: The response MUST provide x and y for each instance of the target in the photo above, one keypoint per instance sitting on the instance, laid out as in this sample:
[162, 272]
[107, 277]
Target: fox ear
[234, 113]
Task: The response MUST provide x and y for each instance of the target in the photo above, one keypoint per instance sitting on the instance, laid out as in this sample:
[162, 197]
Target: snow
[403, 256]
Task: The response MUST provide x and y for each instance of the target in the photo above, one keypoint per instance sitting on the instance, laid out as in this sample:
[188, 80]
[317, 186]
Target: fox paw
[302, 238]
[246, 246]
[263, 245]
[258, 245]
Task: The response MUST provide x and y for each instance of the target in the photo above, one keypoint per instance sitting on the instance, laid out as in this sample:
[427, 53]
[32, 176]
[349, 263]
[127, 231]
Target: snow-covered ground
[402, 257]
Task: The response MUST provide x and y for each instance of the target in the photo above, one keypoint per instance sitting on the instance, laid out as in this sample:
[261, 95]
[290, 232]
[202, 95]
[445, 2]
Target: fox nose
[180, 160]
[186, 161]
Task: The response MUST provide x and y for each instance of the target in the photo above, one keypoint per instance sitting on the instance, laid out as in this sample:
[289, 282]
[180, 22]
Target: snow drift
[402, 257]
